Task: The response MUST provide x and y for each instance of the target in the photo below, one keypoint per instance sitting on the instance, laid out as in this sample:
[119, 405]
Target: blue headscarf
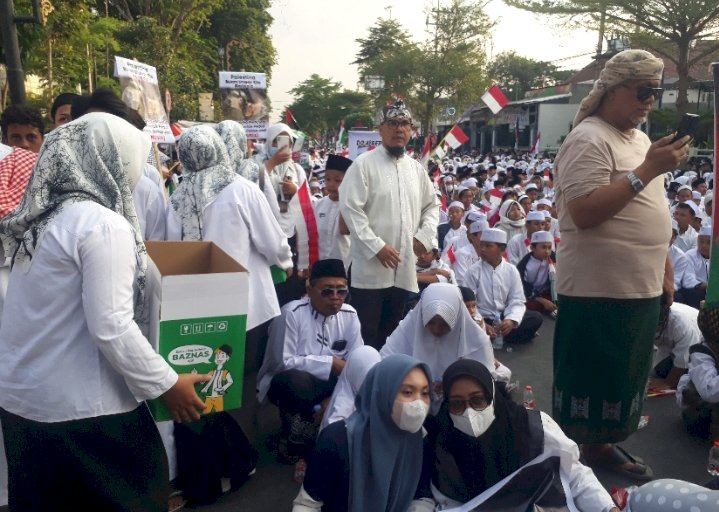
[385, 461]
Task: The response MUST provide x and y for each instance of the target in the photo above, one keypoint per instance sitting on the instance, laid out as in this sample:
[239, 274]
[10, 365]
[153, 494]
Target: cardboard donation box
[198, 318]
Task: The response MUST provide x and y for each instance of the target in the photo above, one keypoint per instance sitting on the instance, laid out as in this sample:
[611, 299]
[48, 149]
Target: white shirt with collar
[387, 200]
[517, 248]
[679, 265]
[150, 207]
[70, 347]
[680, 333]
[698, 268]
[332, 244]
[703, 373]
[303, 339]
[498, 290]
[241, 223]
[688, 240]
[464, 258]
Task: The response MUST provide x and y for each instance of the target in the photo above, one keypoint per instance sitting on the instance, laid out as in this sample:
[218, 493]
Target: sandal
[615, 460]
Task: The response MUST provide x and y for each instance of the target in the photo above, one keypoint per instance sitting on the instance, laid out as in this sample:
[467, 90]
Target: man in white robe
[389, 205]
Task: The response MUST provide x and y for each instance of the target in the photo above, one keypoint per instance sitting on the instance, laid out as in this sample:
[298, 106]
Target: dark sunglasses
[644, 93]
[477, 402]
[329, 292]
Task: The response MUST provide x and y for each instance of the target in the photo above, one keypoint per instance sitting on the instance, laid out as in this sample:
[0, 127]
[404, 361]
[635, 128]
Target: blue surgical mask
[272, 151]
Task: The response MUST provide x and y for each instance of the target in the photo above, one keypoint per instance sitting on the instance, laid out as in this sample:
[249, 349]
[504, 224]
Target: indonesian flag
[495, 99]
[308, 251]
[450, 255]
[439, 152]
[535, 145]
[424, 158]
[456, 137]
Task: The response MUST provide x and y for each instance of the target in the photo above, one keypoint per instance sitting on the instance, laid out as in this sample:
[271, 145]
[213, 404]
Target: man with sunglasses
[307, 349]
[612, 264]
[389, 205]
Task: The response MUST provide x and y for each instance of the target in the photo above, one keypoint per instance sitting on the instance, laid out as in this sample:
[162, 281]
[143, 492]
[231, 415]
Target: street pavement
[663, 443]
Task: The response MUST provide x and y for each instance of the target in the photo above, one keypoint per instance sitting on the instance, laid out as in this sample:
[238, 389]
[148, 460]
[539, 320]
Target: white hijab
[465, 339]
[342, 403]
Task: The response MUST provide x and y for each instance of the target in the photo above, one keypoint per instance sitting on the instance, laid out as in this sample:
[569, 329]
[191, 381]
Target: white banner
[359, 142]
[140, 92]
[244, 99]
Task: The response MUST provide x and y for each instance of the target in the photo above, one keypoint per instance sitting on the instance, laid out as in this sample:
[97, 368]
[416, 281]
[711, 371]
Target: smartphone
[687, 126]
[283, 141]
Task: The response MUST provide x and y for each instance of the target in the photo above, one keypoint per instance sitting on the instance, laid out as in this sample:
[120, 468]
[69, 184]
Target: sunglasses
[477, 402]
[330, 292]
[644, 93]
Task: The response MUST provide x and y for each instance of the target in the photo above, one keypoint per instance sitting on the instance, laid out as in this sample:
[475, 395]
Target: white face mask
[449, 188]
[409, 416]
[473, 423]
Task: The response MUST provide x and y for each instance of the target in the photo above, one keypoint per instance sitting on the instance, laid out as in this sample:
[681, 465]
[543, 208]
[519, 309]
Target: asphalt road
[663, 443]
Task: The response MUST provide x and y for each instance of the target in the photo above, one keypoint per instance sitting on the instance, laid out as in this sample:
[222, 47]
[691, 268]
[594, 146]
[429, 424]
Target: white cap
[522, 198]
[448, 178]
[478, 226]
[315, 184]
[547, 215]
[475, 216]
[705, 231]
[693, 206]
[696, 194]
[455, 204]
[535, 215]
[469, 183]
[542, 237]
[494, 235]
[529, 187]
[675, 226]
[544, 201]
[683, 187]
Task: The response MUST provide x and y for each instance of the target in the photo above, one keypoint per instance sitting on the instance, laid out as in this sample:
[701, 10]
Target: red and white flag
[495, 99]
[535, 145]
[428, 143]
[456, 137]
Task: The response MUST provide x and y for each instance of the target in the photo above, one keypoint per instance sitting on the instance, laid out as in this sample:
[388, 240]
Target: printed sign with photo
[244, 99]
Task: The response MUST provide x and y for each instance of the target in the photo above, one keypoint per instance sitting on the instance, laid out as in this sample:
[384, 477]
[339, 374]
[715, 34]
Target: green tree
[388, 52]
[670, 28]
[451, 63]
[515, 74]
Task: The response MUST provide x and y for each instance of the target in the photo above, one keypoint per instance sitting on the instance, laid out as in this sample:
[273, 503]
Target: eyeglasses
[330, 292]
[476, 402]
[644, 93]
[398, 124]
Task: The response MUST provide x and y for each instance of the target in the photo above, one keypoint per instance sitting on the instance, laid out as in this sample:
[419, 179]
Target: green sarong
[602, 358]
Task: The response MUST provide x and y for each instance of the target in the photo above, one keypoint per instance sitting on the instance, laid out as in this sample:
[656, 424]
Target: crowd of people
[380, 295]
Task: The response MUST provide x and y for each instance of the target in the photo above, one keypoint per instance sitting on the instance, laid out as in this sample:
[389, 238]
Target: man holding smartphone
[309, 344]
[612, 264]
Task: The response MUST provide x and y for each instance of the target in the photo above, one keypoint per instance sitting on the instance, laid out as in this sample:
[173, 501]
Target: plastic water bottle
[529, 402]
[713, 462]
[498, 343]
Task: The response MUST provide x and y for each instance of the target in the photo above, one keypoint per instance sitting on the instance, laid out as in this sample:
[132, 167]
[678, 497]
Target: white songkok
[693, 206]
[478, 226]
[542, 237]
[705, 231]
[475, 216]
[494, 235]
[545, 202]
[683, 187]
[529, 187]
[534, 215]
[455, 204]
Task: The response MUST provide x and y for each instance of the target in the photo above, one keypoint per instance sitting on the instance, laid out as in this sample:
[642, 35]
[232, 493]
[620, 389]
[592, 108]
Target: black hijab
[465, 466]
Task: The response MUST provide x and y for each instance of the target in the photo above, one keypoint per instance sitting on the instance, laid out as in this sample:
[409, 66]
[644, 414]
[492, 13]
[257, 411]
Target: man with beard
[390, 208]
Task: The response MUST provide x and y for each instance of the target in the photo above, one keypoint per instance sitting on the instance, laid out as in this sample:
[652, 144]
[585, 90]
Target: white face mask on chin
[473, 423]
[409, 416]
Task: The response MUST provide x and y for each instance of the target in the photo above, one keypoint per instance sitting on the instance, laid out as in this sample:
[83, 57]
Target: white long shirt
[679, 266]
[287, 171]
[517, 248]
[303, 339]
[680, 333]
[498, 290]
[70, 347]
[385, 200]
[464, 258]
[703, 373]
[697, 270]
[687, 240]
[151, 207]
[241, 223]
[332, 243]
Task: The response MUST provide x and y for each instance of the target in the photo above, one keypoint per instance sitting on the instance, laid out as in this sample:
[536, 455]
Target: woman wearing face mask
[439, 331]
[372, 460]
[481, 439]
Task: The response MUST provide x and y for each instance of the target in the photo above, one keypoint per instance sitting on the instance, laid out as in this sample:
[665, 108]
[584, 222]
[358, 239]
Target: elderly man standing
[612, 263]
[390, 208]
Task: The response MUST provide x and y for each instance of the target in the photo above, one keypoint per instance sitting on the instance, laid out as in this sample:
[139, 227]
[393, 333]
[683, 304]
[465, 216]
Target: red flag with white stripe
[456, 137]
[495, 99]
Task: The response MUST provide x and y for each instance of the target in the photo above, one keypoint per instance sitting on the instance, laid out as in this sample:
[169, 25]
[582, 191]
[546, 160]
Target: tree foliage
[669, 28]
[516, 75]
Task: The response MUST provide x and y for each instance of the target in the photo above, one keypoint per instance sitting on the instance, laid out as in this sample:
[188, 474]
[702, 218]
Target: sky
[318, 36]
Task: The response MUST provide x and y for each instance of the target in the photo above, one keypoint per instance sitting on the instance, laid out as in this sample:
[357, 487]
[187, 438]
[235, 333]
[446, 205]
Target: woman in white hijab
[76, 368]
[511, 218]
[342, 403]
[439, 331]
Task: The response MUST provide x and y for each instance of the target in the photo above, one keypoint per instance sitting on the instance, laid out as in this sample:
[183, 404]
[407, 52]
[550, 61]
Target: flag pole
[712, 295]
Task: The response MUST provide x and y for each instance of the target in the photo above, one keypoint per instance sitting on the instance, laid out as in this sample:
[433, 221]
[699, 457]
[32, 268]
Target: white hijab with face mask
[465, 340]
